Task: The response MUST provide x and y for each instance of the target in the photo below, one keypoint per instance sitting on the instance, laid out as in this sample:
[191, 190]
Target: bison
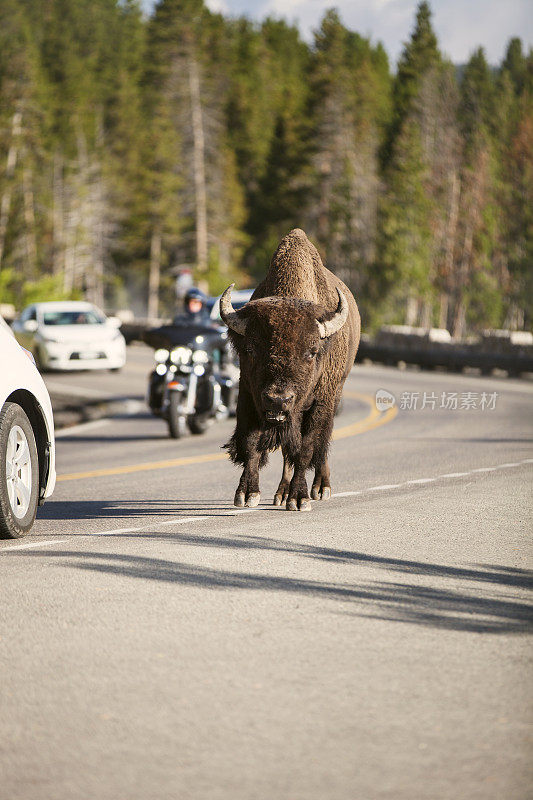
[297, 339]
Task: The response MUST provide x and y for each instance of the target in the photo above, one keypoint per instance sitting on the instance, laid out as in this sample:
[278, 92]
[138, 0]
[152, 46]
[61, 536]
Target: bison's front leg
[243, 449]
[283, 488]
[248, 493]
[316, 435]
[298, 498]
[321, 489]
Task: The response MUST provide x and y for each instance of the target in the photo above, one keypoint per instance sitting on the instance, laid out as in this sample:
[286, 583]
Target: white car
[27, 446]
[71, 336]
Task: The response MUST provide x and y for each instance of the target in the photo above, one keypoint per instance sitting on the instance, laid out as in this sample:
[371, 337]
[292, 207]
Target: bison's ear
[333, 321]
[228, 314]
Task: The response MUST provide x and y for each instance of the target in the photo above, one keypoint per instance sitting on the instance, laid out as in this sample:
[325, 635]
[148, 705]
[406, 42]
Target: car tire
[19, 473]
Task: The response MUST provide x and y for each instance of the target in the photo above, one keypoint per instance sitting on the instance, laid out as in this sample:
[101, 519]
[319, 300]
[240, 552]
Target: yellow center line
[373, 420]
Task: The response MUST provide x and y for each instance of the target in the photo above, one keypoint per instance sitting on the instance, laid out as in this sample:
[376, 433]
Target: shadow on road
[125, 509]
[453, 609]
[100, 439]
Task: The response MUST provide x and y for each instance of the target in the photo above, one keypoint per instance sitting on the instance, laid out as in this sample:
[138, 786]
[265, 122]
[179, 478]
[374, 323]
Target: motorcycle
[195, 381]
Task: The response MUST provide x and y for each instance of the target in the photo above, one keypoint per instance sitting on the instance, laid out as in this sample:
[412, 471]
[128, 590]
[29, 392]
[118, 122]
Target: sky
[461, 25]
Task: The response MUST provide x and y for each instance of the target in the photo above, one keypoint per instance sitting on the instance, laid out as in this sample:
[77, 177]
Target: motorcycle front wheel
[176, 422]
[198, 426]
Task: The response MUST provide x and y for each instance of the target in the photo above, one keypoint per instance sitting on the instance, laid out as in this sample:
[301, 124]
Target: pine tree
[418, 57]
[186, 51]
[475, 276]
[515, 193]
[350, 85]
[277, 192]
[419, 176]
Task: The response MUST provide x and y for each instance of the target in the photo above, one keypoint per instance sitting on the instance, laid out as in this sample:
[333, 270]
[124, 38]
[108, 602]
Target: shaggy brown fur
[287, 368]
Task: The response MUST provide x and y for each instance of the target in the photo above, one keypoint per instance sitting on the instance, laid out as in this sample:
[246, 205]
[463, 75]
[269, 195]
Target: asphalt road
[158, 643]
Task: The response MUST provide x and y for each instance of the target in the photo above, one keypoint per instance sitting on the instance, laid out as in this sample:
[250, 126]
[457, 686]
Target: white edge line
[110, 533]
[387, 486]
[32, 544]
[182, 520]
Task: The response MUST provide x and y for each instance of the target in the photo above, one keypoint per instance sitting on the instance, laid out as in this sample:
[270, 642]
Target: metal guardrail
[453, 356]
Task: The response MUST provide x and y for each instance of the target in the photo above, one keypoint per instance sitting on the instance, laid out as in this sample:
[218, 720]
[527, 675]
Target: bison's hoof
[279, 498]
[239, 499]
[321, 494]
[253, 499]
[304, 504]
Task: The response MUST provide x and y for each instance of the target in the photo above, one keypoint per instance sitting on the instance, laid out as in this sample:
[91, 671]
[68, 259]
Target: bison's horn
[229, 315]
[335, 324]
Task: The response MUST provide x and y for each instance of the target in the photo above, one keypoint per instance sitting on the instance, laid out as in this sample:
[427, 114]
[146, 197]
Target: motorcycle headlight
[161, 355]
[200, 357]
[161, 369]
[181, 355]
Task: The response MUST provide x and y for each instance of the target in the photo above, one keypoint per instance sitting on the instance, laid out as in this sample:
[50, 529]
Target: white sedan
[27, 447]
[71, 336]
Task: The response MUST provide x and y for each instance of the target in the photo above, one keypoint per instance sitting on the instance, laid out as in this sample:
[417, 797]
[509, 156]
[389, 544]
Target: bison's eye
[312, 353]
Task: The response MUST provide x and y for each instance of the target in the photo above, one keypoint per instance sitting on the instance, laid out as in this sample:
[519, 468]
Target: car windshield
[82, 317]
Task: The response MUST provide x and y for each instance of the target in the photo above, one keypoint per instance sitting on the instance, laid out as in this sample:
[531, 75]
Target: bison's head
[282, 344]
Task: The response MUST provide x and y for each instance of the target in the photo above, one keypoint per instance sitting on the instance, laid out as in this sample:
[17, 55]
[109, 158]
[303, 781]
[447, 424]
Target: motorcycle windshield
[169, 336]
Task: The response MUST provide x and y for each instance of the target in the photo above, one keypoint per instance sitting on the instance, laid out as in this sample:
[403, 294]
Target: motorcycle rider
[195, 310]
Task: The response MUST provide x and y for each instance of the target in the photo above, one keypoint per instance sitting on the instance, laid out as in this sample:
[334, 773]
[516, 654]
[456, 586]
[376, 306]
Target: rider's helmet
[194, 301]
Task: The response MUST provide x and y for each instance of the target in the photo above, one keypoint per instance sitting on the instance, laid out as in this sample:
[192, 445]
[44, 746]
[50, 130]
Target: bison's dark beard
[287, 436]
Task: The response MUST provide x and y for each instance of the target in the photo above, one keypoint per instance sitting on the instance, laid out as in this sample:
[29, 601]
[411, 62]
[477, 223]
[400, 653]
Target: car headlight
[200, 357]
[161, 355]
[181, 355]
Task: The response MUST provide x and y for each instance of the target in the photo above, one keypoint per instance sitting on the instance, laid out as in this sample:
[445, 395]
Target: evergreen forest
[133, 145]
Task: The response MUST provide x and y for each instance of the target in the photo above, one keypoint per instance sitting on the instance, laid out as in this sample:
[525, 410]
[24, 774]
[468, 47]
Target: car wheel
[19, 473]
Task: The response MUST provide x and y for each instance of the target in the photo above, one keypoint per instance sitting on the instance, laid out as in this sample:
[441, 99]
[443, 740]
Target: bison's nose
[278, 400]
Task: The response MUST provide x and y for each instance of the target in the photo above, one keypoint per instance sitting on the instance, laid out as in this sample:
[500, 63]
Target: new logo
[384, 400]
